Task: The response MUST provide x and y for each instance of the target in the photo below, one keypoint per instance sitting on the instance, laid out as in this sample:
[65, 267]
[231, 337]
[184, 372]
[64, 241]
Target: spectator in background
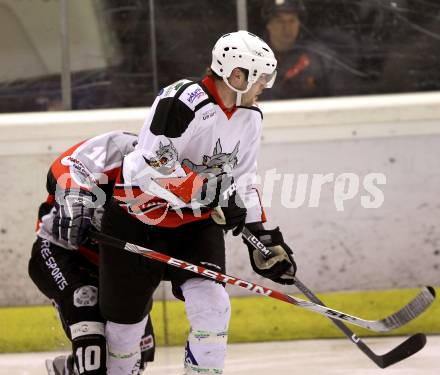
[306, 67]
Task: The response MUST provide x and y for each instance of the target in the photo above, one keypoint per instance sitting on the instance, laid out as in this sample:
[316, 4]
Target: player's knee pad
[207, 305]
[123, 340]
[208, 310]
[89, 347]
[85, 296]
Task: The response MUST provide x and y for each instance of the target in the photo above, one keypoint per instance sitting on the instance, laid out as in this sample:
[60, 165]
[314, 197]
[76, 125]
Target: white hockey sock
[205, 352]
[208, 311]
[124, 353]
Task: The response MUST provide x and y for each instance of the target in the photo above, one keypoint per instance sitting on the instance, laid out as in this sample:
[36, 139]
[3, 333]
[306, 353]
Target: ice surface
[311, 357]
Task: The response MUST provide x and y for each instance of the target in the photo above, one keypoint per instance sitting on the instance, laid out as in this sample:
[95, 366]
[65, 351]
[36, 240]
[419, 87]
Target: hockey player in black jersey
[197, 151]
[64, 263]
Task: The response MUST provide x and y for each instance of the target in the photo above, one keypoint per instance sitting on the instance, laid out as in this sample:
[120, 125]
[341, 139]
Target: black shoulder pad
[172, 117]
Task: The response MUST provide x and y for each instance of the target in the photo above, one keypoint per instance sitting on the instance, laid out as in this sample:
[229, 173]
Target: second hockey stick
[410, 346]
[407, 313]
[404, 350]
[375, 325]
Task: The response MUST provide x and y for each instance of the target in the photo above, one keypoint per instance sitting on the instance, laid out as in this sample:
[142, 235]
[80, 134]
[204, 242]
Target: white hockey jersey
[189, 129]
[94, 165]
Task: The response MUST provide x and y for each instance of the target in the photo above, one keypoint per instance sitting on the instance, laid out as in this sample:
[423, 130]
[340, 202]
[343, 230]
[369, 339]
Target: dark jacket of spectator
[306, 67]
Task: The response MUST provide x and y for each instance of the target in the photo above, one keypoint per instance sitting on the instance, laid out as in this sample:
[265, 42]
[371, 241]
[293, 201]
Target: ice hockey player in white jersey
[64, 261]
[197, 151]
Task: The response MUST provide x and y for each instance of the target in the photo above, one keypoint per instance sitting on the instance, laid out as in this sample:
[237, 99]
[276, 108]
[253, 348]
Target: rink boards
[344, 143]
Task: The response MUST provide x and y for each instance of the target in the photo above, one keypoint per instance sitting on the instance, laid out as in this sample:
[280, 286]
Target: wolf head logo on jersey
[219, 162]
[166, 158]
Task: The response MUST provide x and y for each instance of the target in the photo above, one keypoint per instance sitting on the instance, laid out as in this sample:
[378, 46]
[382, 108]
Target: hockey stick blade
[223, 278]
[407, 313]
[412, 310]
[404, 350]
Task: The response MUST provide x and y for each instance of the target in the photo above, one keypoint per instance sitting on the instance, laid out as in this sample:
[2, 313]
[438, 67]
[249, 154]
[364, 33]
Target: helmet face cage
[244, 50]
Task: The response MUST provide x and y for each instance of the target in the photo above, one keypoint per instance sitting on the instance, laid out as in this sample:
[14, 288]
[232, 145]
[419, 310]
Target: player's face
[240, 82]
[283, 31]
[250, 97]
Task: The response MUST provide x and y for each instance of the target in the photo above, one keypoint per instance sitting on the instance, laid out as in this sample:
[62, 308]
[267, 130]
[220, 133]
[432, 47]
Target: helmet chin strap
[238, 99]
[239, 92]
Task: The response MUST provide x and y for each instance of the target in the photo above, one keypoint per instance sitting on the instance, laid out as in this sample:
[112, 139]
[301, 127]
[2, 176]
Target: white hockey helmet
[242, 49]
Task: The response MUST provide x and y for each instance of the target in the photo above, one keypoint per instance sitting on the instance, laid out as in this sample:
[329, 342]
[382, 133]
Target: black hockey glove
[280, 267]
[73, 217]
[220, 192]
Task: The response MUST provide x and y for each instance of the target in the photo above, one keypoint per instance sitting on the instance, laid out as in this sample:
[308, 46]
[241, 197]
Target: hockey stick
[407, 313]
[410, 346]
[375, 325]
[404, 350]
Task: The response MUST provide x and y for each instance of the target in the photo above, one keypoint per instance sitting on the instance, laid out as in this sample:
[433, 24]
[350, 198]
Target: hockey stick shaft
[220, 277]
[404, 350]
[407, 313]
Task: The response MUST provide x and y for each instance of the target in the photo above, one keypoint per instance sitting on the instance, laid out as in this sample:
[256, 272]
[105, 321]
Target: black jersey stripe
[172, 117]
[253, 109]
[202, 104]
[183, 88]
[51, 181]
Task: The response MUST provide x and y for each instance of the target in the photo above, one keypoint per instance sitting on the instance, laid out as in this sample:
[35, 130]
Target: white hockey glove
[73, 217]
[280, 267]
